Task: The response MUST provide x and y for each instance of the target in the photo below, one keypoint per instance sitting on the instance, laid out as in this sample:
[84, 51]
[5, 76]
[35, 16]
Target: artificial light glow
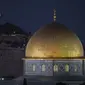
[54, 41]
[14, 31]
[34, 67]
[43, 67]
[67, 68]
[75, 68]
[54, 17]
[55, 68]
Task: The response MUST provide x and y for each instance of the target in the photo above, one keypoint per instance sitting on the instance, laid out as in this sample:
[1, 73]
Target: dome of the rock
[54, 40]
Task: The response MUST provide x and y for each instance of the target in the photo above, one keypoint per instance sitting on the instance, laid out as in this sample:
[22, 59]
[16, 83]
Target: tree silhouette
[60, 83]
[24, 81]
[83, 83]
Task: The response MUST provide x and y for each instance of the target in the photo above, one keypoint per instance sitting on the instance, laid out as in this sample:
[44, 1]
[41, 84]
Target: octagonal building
[54, 53]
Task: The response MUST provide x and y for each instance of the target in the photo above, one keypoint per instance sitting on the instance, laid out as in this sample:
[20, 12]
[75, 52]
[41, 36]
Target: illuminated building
[54, 54]
[12, 45]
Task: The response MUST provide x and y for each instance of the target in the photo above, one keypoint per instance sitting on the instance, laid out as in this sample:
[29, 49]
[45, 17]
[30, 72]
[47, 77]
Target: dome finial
[54, 15]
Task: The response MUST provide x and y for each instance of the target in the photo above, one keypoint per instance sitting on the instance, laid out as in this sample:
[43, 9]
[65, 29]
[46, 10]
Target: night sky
[30, 15]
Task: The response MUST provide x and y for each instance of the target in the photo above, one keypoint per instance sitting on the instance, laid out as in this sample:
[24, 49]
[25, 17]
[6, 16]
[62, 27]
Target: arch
[34, 67]
[75, 68]
[43, 67]
[66, 68]
[55, 68]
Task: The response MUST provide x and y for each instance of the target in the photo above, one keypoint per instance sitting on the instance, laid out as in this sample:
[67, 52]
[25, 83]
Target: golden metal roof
[54, 40]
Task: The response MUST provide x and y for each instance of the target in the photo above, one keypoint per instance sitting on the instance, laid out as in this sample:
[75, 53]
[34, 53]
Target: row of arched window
[55, 68]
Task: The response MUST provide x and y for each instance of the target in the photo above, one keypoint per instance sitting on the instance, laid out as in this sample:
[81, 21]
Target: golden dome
[54, 40]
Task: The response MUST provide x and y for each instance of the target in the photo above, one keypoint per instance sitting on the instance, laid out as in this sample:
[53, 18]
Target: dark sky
[31, 14]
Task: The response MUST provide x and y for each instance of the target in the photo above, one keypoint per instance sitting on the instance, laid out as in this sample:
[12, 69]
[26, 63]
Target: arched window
[43, 67]
[55, 68]
[34, 67]
[75, 68]
[67, 68]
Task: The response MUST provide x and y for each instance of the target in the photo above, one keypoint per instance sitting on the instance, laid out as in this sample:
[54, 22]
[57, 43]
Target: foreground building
[12, 48]
[54, 54]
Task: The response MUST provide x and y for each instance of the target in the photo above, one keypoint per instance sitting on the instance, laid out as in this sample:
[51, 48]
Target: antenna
[54, 15]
